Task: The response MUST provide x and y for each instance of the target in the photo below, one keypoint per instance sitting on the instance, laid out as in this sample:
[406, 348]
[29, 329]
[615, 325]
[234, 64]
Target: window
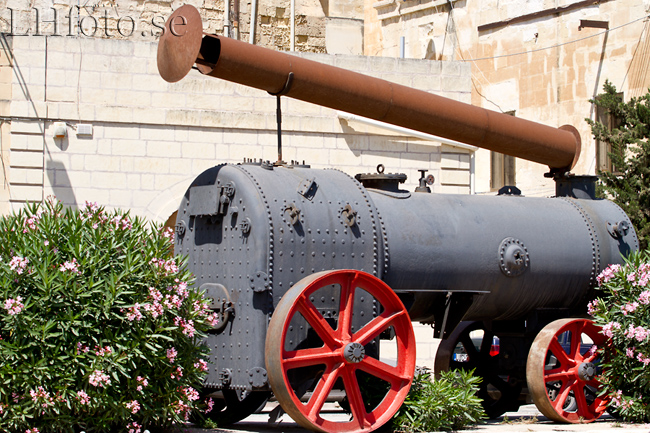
[603, 149]
[502, 168]
[502, 171]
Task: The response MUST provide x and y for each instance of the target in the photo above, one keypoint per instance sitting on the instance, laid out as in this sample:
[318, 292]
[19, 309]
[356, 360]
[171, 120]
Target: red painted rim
[569, 402]
[331, 353]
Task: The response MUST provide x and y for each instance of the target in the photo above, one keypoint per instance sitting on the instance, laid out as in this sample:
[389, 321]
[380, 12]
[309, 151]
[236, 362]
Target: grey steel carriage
[313, 270]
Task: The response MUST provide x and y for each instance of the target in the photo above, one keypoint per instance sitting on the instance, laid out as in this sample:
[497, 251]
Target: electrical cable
[564, 43]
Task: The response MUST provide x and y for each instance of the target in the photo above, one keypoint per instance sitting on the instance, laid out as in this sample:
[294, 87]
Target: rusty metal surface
[337, 88]
[180, 43]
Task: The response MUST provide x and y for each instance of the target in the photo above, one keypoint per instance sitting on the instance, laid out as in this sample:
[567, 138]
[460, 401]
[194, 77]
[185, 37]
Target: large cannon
[314, 271]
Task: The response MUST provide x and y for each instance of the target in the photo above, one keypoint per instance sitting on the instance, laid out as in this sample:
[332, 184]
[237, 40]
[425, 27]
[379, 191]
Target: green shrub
[99, 329]
[623, 311]
[447, 403]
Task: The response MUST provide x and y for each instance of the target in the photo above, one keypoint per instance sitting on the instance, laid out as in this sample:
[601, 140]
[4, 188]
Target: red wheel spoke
[348, 287]
[579, 394]
[375, 327]
[322, 390]
[576, 339]
[328, 365]
[317, 322]
[558, 403]
[383, 371]
[557, 350]
[354, 397]
[308, 357]
[558, 376]
[572, 394]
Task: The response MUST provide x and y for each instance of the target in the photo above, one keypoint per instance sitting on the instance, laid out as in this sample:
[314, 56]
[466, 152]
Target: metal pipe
[226, 18]
[251, 34]
[337, 88]
[293, 25]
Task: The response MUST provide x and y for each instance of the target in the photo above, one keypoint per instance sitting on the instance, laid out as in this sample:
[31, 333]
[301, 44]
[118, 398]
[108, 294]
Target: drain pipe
[293, 25]
[251, 39]
[423, 136]
[226, 18]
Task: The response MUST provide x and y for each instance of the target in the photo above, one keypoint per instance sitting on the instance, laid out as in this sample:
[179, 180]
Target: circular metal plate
[180, 43]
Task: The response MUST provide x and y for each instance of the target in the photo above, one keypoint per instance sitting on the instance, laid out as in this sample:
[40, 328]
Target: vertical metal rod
[278, 115]
[293, 25]
[226, 18]
[402, 47]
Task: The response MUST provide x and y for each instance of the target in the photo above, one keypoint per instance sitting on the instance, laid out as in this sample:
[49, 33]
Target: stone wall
[150, 139]
[528, 57]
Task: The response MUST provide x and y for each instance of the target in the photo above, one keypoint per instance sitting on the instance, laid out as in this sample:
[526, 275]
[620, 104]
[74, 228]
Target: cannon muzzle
[183, 45]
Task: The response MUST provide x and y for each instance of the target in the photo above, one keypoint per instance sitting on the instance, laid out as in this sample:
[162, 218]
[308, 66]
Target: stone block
[113, 113]
[194, 150]
[26, 192]
[344, 36]
[101, 163]
[134, 98]
[129, 147]
[121, 198]
[183, 117]
[108, 180]
[26, 142]
[454, 177]
[151, 165]
[26, 176]
[26, 159]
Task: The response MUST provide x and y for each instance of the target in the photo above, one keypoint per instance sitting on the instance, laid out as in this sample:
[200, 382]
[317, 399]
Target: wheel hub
[586, 371]
[354, 352]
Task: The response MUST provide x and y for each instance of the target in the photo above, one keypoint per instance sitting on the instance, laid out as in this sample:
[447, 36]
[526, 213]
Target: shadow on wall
[360, 142]
[60, 181]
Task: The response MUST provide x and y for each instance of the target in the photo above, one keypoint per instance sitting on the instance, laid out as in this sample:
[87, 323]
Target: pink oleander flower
[142, 383]
[41, 396]
[133, 406]
[168, 267]
[630, 352]
[201, 365]
[81, 348]
[155, 309]
[70, 266]
[121, 223]
[182, 408]
[191, 393]
[32, 430]
[168, 233]
[103, 351]
[212, 319]
[134, 427]
[171, 355]
[630, 307]
[83, 397]
[608, 273]
[31, 222]
[14, 306]
[18, 264]
[608, 329]
[209, 403]
[592, 307]
[99, 379]
[134, 313]
[178, 373]
[644, 297]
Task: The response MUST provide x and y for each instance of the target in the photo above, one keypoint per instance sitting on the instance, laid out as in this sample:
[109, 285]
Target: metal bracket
[452, 312]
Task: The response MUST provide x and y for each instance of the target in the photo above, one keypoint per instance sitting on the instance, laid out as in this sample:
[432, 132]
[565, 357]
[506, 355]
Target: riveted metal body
[278, 248]
[251, 233]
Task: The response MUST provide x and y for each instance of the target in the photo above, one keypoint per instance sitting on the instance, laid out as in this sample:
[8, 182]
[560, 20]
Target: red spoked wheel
[562, 371]
[339, 359]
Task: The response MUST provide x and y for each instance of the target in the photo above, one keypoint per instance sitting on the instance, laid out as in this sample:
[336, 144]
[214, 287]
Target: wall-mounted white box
[85, 129]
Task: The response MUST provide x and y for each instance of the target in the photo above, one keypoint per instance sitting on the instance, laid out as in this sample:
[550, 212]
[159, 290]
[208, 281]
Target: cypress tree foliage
[628, 184]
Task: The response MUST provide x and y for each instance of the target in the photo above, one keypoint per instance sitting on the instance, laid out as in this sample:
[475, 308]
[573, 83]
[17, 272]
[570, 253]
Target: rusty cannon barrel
[184, 45]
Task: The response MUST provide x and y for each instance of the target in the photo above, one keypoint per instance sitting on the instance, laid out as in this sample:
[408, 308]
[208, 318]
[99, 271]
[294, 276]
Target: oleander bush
[623, 311]
[100, 330]
[446, 403]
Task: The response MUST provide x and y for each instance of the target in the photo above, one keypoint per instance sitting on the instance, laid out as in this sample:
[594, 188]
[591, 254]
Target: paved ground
[528, 419]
